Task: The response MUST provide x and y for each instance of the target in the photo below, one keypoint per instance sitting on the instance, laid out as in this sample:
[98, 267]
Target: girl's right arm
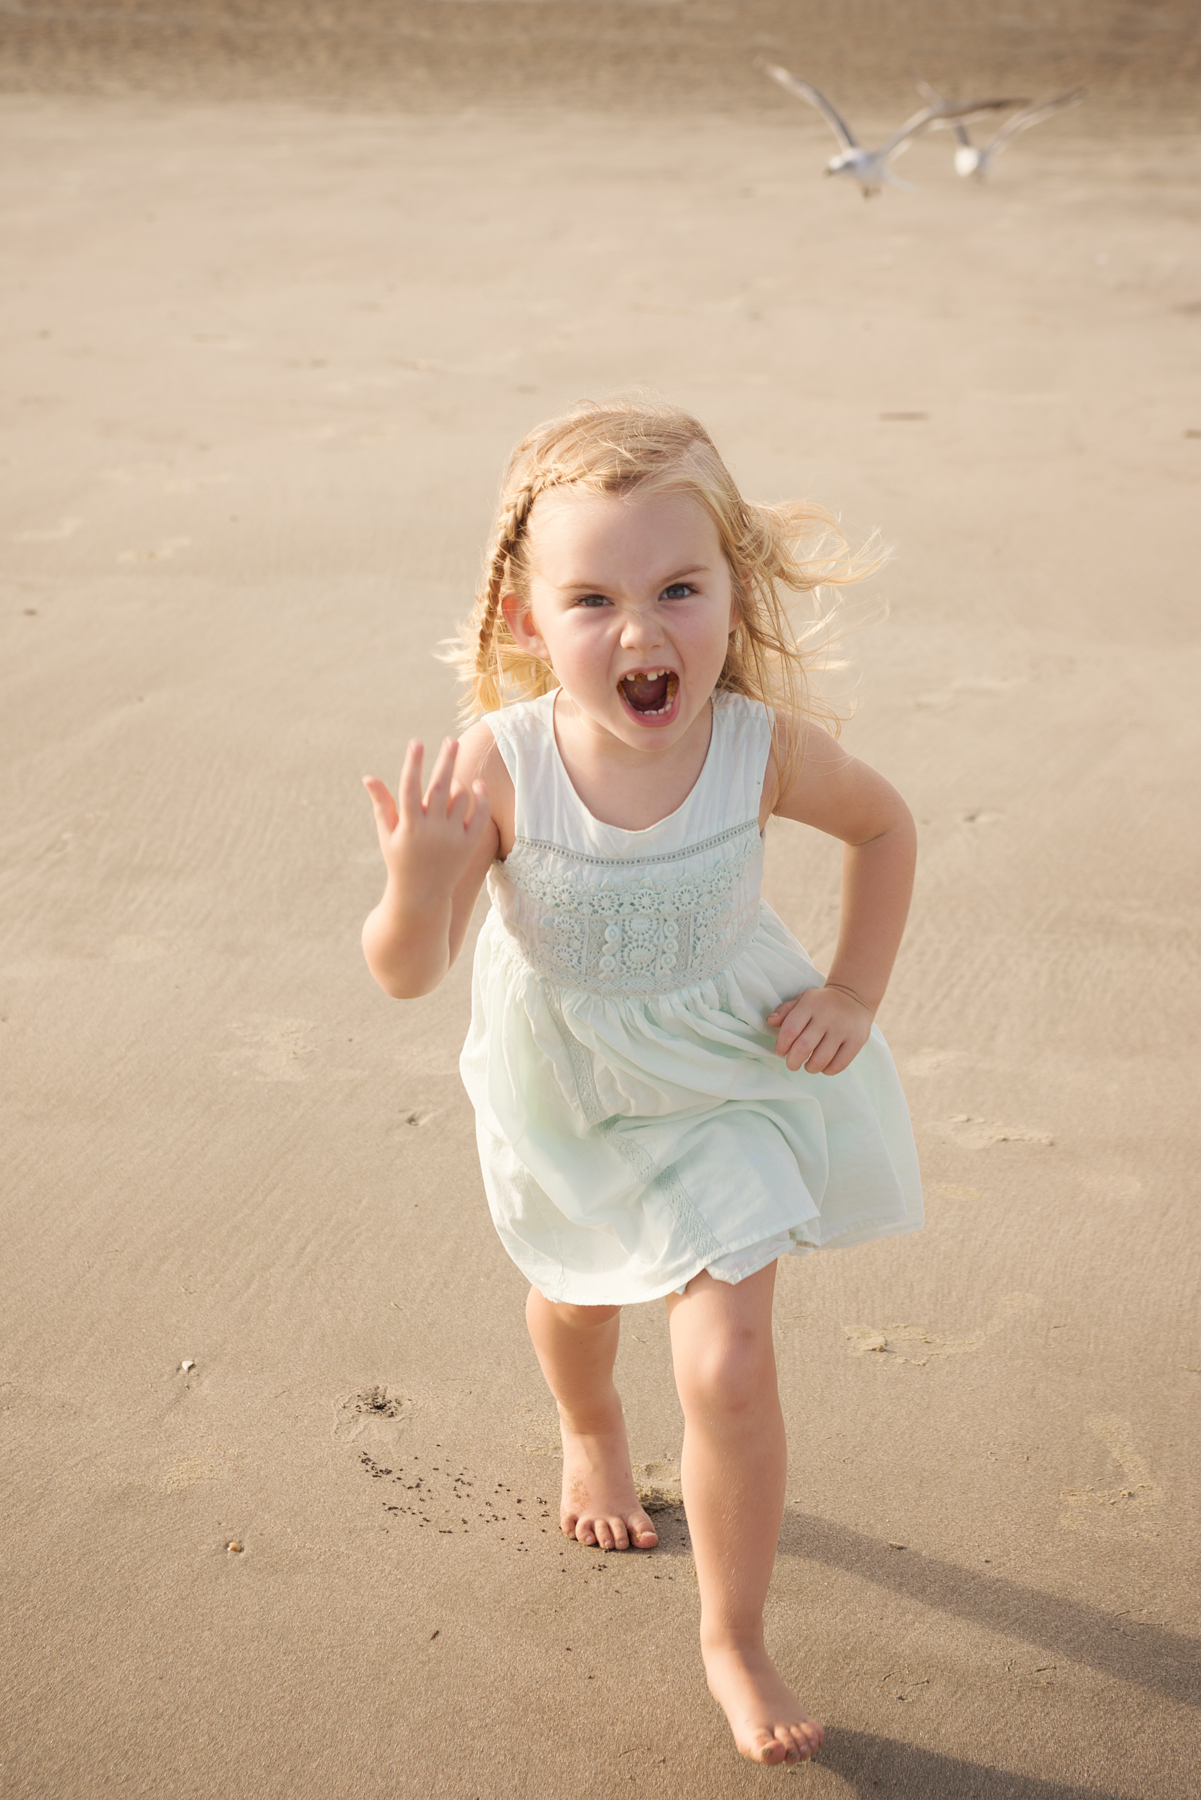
[437, 848]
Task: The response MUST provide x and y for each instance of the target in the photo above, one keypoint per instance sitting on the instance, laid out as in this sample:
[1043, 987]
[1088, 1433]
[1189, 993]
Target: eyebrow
[597, 587]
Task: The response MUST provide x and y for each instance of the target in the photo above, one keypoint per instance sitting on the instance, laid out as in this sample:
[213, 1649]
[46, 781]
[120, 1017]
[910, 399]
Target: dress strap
[525, 737]
[742, 730]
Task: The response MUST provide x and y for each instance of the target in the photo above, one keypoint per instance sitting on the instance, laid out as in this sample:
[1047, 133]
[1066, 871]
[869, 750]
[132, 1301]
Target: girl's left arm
[824, 1029]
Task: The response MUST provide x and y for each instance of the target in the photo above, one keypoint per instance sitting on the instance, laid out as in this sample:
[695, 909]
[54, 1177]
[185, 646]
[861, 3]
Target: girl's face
[631, 602]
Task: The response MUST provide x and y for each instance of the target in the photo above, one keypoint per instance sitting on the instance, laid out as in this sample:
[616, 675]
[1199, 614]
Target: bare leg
[733, 1469]
[577, 1347]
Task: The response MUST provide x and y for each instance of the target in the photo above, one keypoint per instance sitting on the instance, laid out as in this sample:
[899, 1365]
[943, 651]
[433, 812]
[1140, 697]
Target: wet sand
[262, 364]
[651, 56]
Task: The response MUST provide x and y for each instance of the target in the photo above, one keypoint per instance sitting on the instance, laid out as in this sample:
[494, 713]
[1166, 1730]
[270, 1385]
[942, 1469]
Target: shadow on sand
[875, 1766]
[1162, 1661]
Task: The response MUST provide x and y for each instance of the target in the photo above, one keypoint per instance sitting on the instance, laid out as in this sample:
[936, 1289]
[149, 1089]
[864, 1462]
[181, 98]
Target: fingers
[797, 1031]
[408, 788]
[447, 798]
[813, 1034]
[441, 784]
[843, 1057]
[814, 1058]
[383, 806]
[478, 813]
[414, 803]
[444, 798]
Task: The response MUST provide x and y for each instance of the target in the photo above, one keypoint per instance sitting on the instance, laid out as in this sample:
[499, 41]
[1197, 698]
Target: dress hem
[847, 1240]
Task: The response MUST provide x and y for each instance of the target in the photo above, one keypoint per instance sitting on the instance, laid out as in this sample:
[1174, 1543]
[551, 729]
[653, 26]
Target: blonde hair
[642, 444]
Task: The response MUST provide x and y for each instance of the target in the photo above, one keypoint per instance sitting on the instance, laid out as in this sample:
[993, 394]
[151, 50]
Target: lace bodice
[632, 913]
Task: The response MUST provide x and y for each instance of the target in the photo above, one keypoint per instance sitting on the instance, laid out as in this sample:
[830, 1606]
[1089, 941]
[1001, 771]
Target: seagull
[870, 167]
[977, 159]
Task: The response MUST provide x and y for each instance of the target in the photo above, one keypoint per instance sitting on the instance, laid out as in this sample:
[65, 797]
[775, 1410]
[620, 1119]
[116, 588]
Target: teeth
[648, 675]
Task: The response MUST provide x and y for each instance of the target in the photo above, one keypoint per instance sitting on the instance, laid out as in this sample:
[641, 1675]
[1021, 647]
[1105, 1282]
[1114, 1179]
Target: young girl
[668, 1094]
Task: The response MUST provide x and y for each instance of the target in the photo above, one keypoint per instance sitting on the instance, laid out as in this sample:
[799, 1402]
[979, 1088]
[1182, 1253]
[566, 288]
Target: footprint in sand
[917, 1345]
[658, 1485]
[271, 1049]
[972, 1133]
[1127, 1510]
[376, 1419]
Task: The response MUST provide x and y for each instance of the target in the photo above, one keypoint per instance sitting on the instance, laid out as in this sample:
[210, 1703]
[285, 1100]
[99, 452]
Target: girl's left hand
[822, 1030]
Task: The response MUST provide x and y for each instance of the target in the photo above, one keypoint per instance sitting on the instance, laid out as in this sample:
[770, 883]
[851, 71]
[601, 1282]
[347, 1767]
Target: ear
[520, 621]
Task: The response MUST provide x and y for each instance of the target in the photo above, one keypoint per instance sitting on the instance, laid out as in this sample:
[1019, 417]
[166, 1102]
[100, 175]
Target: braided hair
[507, 540]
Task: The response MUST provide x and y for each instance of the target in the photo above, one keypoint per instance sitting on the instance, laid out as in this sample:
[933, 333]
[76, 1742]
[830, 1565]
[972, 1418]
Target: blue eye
[592, 600]
[679, 590]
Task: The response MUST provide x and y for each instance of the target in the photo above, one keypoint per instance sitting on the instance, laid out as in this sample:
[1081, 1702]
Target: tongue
[645, 695]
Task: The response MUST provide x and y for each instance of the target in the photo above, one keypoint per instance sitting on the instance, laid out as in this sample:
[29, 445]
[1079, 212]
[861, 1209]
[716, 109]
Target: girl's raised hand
[428, 840]
[822, 1030]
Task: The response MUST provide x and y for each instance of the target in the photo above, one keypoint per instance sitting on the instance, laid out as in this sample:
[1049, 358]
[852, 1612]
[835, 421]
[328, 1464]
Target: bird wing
[1033, 115]
[909, 129]
[930, 95]
[936, 100]
[803, 91]
[943, 113]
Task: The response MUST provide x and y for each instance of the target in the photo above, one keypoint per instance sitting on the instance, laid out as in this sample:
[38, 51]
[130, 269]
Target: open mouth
[650, 692]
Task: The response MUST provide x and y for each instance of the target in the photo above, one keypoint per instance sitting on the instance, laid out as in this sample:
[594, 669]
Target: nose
[641, 629]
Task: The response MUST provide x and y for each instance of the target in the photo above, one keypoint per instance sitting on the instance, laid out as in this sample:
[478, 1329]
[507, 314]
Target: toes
[612, 1534]
[642, 1533]
[803, 1741]
[788, 1744]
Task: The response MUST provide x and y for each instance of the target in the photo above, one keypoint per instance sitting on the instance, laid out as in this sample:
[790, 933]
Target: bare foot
[600, 1502]
[768, 1721]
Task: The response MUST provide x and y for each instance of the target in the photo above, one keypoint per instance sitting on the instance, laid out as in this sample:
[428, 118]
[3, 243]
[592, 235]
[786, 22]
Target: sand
[262, 361]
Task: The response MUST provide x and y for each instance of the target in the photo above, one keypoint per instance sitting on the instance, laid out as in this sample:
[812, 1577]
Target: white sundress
[635, 1125]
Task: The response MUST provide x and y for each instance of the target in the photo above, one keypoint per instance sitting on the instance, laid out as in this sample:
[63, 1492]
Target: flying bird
[870, 168]
[977, 159]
